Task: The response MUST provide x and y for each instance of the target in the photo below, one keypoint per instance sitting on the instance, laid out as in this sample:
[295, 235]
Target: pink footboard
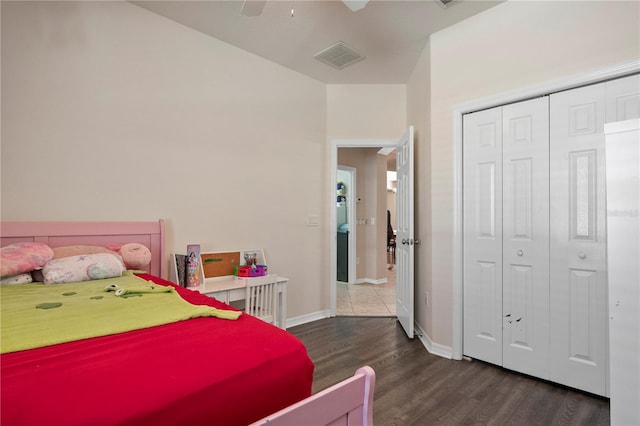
[349, 402]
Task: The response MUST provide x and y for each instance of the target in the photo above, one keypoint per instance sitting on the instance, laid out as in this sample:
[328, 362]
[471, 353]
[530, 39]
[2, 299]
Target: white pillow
[82, 268]
[17, 279]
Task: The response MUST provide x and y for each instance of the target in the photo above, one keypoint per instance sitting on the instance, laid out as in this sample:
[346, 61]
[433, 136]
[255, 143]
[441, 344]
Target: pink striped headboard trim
[58, 234]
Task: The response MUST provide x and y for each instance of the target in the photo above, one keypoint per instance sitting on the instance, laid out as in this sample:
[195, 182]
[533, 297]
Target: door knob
[520, 253]
[409, 241]
[582, 255]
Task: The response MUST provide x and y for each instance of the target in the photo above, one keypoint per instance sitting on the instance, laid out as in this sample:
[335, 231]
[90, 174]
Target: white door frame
[489, 102]
[333, 255]
[351, 220]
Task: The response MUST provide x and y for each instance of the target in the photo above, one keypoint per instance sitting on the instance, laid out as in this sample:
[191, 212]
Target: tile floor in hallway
[367, 299]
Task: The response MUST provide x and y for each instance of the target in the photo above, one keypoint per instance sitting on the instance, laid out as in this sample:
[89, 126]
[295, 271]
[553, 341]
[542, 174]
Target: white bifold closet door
[579, 346]
[534, 218]
[482, 241]
[578, 286]
[525, 236]
[506, 242]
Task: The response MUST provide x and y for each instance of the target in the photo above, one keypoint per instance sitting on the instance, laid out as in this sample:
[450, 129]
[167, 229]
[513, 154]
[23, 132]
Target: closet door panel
[578, 287]
[623, 246]
[526, 236]
[623, 99]
[482, 222]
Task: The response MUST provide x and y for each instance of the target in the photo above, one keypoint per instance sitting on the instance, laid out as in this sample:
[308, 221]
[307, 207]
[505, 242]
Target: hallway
[377, 300]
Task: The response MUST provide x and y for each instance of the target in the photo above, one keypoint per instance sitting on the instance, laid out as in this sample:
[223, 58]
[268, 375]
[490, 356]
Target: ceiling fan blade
[252, 7]
[355, 5]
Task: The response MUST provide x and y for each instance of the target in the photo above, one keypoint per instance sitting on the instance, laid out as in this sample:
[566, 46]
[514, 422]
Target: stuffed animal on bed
[78, 250]
[134, 255]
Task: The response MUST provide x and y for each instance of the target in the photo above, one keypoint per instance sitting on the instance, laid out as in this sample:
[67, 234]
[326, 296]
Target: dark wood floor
[414, 387]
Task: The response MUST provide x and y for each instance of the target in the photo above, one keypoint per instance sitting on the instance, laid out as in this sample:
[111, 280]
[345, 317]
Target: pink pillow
[19, 258]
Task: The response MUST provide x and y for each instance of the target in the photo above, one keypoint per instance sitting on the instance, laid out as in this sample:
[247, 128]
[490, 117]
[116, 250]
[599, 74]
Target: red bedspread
[201, 371]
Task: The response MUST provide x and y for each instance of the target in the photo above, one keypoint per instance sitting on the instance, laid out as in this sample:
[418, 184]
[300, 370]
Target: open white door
[405, 243]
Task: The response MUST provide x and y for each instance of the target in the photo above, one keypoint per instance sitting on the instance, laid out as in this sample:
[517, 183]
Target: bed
[349, 402]
[205, 370]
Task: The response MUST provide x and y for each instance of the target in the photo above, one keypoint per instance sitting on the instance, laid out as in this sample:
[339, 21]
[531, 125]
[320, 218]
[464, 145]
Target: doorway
[365, 285]
[346, 223]
[405, 252]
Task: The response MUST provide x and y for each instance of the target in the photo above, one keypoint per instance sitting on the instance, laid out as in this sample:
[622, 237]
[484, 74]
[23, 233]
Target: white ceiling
[391, 34]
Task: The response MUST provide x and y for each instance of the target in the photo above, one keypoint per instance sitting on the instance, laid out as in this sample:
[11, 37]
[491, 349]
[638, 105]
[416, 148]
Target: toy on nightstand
[251, 260]
[193, 265]
[250, 267]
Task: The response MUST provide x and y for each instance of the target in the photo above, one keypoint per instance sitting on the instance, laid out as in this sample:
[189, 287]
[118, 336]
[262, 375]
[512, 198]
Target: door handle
[409, 241]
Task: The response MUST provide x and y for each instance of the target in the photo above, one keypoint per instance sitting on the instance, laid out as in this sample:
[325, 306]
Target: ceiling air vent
[252, 7]
[339, 55]
[445, 3]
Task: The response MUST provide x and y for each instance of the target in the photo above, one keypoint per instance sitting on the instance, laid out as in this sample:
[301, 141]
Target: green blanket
[35, 315]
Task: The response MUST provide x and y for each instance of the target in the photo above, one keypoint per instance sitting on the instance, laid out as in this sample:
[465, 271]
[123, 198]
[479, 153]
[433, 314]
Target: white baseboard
[303, 319]
[371, 281]
[431, 347]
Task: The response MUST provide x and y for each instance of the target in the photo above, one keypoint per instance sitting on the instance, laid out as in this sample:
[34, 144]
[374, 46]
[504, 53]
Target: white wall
[110, 112]
[508, 47]
[366, 111]
[419, 115]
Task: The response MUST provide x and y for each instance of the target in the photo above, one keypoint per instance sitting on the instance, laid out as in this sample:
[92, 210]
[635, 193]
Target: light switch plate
[313, 220]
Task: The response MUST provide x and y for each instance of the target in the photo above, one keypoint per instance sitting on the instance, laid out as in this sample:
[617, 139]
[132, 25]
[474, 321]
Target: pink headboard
[58, 234]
